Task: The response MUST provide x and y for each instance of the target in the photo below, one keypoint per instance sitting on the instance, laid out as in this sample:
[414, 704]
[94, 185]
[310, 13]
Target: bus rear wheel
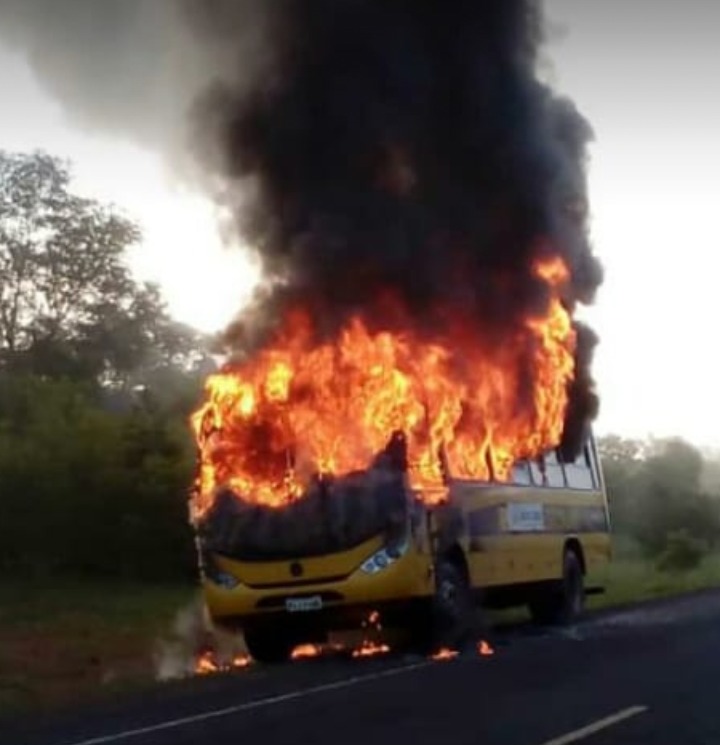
[270, 646]
[565, 601]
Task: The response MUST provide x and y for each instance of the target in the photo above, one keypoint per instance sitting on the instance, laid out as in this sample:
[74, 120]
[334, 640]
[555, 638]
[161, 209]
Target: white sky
[203, 282]
[649, 90]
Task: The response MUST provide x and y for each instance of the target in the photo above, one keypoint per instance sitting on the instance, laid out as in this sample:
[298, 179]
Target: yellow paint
[407, 578]
[493, 560]
[340, 564]
[514, 558]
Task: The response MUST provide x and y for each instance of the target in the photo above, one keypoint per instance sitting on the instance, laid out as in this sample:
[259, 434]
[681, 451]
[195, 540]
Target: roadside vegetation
[632, 580]
[664, 500]
[67, 640]
[96, 384]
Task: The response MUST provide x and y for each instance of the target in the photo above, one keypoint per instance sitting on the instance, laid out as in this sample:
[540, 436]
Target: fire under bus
[369, 542]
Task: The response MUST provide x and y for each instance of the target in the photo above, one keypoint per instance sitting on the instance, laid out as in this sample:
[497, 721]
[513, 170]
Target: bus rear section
[368, 544]
[534, 539]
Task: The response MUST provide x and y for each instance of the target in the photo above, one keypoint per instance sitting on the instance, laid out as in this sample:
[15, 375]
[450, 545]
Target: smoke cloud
[115, 65]
[397, 158]
[402, 160]
[129, 68]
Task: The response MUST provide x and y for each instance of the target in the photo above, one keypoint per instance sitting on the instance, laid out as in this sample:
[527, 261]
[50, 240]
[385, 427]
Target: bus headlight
[384, 557]
[216, 575]
[225, 580]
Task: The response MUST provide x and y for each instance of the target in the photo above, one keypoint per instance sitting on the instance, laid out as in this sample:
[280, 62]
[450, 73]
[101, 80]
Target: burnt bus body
[367, 542]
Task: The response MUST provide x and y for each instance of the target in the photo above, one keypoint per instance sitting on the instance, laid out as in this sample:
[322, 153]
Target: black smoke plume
[378, 154]
[405, 150]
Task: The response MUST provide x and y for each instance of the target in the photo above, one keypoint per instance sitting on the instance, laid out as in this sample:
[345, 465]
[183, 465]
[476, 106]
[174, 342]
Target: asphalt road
[645, 675]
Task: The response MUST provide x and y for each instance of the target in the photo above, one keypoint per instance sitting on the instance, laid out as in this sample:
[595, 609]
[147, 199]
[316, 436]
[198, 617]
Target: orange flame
[484, 649]
[241, 660]
[373, 621]
[445, 654]
[207, 663]
[301, 407]
[305, 651]
[370, 649]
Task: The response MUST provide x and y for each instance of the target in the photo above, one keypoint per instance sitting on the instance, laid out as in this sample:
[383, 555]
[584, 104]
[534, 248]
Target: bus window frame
[543, 469]
[525, 462]
[589, 464]
[590, 455]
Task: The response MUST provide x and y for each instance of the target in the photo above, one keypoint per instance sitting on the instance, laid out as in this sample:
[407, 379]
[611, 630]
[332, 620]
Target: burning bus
[421, 559]
[403, 420]
[391, 473]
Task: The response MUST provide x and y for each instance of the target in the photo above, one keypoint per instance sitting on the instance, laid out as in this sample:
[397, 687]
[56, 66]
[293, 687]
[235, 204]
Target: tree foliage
[682, 552]
[87, 490]
[658, 498]
[96, 383]
[69, 305]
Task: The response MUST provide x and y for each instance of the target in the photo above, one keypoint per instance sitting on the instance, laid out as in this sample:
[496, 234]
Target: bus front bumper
[396, 592]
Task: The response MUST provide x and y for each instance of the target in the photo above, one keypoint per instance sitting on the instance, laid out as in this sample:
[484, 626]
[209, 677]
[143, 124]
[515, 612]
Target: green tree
[682, 552]
[670, 497]
[89, 491]
[96, 383]
[657, 492]
[616, 449]
[622, 461]
[69, 305]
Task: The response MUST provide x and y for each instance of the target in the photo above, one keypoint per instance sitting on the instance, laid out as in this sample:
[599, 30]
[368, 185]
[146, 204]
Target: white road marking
[248, 706]
[591, 729]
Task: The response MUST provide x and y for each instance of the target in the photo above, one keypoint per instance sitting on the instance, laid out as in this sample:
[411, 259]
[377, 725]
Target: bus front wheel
[565, 601]
[452, 604]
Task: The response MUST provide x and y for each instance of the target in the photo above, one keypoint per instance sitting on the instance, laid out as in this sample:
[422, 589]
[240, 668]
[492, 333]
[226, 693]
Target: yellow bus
[529, 540]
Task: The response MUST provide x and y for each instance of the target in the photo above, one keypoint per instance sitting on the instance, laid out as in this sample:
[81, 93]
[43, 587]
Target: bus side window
[579, 474]
[537, 471]
[521, 473]
[554, 470]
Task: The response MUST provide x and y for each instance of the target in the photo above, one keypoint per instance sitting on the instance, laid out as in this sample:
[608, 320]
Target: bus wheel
[452, 602]
[270, 645]
[565, 602]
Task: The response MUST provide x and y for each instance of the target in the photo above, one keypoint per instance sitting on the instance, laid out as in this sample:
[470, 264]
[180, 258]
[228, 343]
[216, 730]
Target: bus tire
[565, 601]
[452, 602]
[269, 646]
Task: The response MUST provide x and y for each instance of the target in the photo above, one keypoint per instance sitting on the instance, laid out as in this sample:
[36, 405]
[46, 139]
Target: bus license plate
[303, 605]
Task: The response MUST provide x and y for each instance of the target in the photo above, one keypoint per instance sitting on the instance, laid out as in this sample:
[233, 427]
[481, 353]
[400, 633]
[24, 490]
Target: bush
[682, 552]
[91, 491]
[658, 487]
